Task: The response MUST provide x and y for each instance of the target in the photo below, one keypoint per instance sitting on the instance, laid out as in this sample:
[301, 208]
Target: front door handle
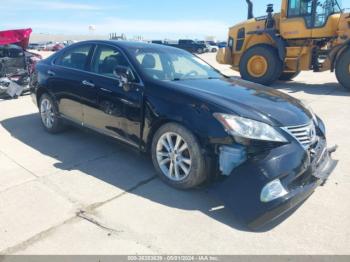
[126, 102]
[88, 83]
[106, 90]
[51, 73]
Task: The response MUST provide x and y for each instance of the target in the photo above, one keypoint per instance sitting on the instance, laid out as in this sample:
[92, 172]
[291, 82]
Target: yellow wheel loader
[305, 35]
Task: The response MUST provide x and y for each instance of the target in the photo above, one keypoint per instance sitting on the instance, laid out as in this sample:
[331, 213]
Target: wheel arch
[163, 121]
[40, 91]
[193, 112]
[266, 37]
[260, 45]
[215, 133]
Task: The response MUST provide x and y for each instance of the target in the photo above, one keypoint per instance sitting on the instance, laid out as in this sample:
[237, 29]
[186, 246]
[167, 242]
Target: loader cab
[309, 18]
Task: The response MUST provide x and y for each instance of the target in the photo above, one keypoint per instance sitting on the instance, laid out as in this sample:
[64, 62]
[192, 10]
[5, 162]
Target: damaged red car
[16, 64]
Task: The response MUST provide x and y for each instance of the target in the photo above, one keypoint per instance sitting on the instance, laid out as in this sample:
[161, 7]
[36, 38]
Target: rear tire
[288, 76]
[342, 69]
[261, 64]
[49, 115]
[177, 157]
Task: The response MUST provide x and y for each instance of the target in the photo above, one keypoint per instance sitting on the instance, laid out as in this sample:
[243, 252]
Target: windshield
[339, 6]
[172, 65]
[328, 6]
[325, 8]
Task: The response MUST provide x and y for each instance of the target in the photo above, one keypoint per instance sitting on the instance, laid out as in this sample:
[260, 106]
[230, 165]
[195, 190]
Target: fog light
[272, 191]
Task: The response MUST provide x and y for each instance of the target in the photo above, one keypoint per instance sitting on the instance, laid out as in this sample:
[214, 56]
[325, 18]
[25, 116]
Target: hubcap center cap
[174, 157]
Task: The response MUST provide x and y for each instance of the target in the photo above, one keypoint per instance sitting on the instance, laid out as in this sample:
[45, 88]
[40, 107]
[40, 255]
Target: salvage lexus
[195, 122]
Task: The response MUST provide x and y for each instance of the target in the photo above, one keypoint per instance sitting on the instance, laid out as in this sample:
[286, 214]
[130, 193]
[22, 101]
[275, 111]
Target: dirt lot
[80, 193]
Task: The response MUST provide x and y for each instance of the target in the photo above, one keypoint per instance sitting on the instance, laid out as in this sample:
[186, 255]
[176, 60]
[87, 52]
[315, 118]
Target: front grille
[305, 134]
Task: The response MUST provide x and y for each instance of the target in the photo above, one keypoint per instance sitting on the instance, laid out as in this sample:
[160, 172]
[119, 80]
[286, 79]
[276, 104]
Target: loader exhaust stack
[250, 9]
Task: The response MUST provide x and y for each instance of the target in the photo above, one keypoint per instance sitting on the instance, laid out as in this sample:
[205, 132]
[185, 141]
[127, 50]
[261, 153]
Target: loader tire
[261, 64]
[288, 76]
[342, 69]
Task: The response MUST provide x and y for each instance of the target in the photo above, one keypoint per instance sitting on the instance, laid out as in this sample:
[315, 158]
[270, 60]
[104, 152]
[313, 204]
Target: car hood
[248, 100]
[18, 36]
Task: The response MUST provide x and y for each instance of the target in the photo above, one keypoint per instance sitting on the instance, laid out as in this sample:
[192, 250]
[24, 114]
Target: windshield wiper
[199, 78]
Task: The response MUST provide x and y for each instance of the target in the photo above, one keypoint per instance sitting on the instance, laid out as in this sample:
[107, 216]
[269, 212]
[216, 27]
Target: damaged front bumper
[297, 170]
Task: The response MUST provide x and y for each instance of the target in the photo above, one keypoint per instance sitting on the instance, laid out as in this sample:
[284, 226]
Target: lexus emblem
[312, 133]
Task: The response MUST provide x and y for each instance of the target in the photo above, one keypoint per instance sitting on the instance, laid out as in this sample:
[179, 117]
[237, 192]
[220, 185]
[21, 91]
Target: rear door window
[76, 57]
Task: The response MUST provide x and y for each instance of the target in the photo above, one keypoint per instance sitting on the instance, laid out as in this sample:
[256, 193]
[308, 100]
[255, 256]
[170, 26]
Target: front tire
[261, 64]
[342, 69]
[49, 115]
[177, 157]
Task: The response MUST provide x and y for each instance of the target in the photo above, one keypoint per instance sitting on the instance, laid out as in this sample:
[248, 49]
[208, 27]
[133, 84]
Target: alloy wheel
[47, 113]
[173, 156]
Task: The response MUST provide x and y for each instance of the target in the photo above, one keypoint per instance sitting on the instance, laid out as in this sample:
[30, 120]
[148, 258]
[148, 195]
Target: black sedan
[196, 123]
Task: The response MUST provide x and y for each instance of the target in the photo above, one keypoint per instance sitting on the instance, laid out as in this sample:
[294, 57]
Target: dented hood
[18, 36]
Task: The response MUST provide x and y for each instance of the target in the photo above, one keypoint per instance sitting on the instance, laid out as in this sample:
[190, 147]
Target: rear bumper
[298, 171]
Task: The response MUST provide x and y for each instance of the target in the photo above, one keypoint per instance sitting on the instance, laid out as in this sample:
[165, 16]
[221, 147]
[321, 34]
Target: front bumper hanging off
[299, 171]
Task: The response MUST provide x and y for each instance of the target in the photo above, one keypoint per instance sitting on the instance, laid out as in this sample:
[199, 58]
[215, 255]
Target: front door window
[107, 59]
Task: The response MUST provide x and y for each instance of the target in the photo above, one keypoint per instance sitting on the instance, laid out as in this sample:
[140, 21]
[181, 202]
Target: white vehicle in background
[212, 48]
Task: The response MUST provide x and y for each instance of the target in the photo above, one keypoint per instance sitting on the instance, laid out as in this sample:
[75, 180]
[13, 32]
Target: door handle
[51, 73]
[87, 83]
[126, 102]
[106, 90]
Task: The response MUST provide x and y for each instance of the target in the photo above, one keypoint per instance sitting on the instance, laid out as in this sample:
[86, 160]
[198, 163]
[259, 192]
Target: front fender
[195, 115]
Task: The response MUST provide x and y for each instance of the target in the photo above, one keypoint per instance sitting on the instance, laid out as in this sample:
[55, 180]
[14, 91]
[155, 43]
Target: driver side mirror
[125, 77]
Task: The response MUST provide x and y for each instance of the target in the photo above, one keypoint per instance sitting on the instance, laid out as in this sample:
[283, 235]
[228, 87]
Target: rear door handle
[51, 73]
[87, 83]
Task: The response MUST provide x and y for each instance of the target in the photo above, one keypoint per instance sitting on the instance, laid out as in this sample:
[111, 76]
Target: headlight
[272, 191]
[247, 128]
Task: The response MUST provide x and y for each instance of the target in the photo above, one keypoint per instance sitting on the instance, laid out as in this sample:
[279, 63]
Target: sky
[152, 19]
